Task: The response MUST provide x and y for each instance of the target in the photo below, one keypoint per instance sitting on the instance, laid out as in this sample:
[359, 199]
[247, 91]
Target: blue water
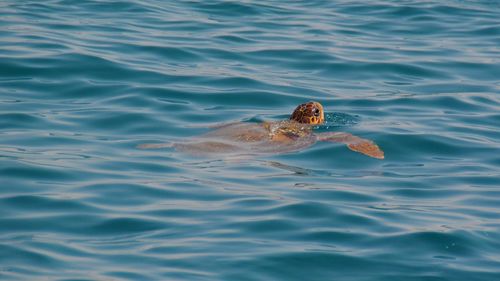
[82, 83]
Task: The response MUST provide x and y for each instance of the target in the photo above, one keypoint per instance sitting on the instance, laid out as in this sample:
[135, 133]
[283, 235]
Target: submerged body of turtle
[272, 137]
[252, 138]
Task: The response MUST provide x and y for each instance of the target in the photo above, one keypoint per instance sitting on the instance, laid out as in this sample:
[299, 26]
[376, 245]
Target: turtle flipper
[354, 143]
[154, 145]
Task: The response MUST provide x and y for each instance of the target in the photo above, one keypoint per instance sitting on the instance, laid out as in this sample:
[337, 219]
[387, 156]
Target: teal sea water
[82, 83]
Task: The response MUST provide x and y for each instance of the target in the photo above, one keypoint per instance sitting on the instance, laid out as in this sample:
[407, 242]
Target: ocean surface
[83, 83]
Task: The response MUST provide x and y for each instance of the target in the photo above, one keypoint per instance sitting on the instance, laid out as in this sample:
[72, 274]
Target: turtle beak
[321, 118]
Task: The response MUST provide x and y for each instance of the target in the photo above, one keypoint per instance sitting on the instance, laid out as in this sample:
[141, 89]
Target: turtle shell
[252, 138]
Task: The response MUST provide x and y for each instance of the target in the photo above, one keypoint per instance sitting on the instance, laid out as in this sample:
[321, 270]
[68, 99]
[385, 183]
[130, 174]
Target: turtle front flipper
[354, 143]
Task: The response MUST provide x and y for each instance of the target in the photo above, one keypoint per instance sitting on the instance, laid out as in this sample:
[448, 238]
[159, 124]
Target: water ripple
[82, 83]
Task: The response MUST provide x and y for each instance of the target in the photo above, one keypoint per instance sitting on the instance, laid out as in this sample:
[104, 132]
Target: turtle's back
[240, 132]
[242, 138]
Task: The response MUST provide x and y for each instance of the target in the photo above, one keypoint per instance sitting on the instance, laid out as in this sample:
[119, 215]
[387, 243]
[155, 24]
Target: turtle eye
[316, 112]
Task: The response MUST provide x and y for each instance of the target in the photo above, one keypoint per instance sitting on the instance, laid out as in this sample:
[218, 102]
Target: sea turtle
[272, 137]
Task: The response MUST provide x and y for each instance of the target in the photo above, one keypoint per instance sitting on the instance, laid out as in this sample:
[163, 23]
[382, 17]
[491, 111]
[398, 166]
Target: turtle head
[309, 113]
